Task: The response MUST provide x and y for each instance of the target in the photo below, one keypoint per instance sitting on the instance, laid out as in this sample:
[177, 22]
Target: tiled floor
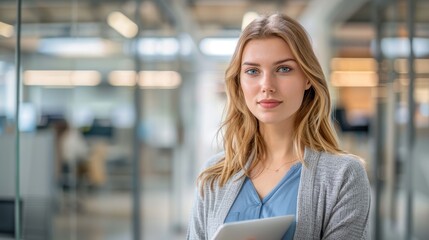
[108, 216]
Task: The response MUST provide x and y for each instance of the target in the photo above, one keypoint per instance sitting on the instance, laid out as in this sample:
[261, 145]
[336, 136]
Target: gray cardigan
[333, 200]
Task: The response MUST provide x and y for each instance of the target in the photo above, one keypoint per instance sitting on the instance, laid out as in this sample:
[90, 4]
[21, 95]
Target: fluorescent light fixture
[159, 79]
[122, 24]
[158, 46]
[353, 64]
[218, 46]
[6, 30]
[61, 78]
[354, 78]
[122, 78]
[73, 47]
[248, 18]
[400, 47]
[148, 79]
[422, 95]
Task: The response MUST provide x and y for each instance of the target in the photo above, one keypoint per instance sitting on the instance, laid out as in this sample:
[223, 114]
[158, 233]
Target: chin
[273, 119]
[269, 121]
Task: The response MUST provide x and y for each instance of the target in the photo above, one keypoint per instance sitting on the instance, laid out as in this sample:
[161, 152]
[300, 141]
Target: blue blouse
[280, 201]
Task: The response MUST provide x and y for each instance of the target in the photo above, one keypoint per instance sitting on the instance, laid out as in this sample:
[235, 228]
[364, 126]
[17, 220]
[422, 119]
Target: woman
[281, 154]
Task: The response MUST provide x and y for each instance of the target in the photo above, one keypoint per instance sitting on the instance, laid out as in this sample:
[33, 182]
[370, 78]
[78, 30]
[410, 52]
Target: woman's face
[272, 81]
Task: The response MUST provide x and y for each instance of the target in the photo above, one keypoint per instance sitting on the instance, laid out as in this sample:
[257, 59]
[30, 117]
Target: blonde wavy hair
[242, 139]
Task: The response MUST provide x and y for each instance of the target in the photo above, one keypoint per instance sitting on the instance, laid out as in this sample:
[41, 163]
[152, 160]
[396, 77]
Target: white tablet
[265, 228]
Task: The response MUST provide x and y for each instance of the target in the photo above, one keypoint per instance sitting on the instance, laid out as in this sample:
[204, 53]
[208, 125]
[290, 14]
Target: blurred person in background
[281, 154]
[73, 153]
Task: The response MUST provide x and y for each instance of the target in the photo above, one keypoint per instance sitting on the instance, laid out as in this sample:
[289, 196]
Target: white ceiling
[199, 18]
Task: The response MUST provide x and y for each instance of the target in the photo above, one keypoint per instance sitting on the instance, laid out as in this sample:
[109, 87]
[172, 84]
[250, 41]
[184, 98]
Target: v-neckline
[268, 196]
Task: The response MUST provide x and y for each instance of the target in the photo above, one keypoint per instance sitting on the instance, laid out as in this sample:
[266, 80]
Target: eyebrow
[278, 62]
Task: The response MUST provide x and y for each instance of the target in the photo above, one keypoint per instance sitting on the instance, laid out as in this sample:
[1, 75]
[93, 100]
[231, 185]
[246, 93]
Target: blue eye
[284, 69]
[252, 71]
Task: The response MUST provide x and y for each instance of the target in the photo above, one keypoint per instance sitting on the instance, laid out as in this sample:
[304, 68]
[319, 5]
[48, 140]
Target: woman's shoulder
[214, 159]
[337, 163]
[336, 169]
[342, 166]
[341, 158]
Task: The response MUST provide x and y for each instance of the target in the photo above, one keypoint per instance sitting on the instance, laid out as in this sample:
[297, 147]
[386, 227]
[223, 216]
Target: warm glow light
[62, 78]
[6, 30]
[422, 95]
[218, 46]
[354, 72]
[148, 79]
[159, 79]
[248, 18]
[122, 24]
[122, 78]
[354, 78]
[353, 64]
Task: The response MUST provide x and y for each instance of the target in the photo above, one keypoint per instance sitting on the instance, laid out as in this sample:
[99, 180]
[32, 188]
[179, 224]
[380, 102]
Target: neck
[278, 140]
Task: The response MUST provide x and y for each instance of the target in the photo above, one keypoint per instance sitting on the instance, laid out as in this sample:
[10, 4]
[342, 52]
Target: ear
[307, 85]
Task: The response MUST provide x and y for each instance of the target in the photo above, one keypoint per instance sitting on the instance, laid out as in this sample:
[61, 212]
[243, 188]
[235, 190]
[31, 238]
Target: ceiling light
[400, 47]
[353, 64]
[218, 46]
[61, 78]
[122, 78]
[158, 46]
[159, 79]
[73, 47]
[6, 30]
[422, 95]
[354, 79]
[148, 79]
[122, 24]
[248, 18]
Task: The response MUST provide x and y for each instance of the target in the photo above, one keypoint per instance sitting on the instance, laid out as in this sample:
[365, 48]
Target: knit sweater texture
[333, 199]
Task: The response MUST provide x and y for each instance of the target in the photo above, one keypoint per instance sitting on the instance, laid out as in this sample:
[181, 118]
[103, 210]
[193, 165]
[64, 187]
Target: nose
[267, 84]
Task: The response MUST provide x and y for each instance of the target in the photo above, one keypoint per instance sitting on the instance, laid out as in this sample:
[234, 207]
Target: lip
[269, 103]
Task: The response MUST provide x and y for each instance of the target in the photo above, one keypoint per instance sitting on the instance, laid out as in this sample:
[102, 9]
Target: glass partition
[118, 108]
[10, 215]
[402, 96]
[381, 103]
[100, 120]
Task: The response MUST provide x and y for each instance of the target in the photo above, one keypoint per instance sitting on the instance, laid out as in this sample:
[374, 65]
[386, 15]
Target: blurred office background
[118, 104]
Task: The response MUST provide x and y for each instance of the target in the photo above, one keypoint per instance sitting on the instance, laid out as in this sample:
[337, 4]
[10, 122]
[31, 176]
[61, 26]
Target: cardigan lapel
[232, 188]
[231, 191]
[305, 221]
